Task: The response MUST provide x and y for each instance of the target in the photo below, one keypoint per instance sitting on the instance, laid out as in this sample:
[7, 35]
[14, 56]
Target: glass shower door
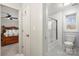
[52, 33]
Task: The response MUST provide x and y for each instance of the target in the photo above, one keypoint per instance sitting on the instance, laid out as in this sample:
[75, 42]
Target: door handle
[27, 35]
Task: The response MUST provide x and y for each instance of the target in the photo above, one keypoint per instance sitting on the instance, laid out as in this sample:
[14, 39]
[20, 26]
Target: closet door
[26, 29]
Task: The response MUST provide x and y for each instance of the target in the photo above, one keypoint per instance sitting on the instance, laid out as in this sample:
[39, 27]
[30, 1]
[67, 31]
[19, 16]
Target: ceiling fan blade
[8, 15]
[2, 17]
[14, 17]
[11, 18]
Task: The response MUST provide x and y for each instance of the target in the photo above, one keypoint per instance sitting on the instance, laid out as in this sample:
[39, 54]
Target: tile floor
[55, 49]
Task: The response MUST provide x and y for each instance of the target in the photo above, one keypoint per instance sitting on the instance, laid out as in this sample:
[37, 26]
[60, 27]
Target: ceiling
[54, 7]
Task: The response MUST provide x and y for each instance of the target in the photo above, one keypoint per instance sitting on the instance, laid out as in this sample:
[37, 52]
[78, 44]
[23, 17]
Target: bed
[9, 35]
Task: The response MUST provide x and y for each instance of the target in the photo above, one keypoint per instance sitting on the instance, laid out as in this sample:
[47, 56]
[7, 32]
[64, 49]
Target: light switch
[34, 28]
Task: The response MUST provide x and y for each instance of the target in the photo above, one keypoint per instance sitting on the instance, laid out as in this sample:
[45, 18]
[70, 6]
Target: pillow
[10, 33]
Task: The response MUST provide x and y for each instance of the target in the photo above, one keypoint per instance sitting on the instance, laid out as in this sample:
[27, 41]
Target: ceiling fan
[9, 16]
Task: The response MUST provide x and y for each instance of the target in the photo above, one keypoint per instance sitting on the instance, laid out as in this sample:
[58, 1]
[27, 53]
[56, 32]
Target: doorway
[53, 29]
[9, 31]
[52, 35]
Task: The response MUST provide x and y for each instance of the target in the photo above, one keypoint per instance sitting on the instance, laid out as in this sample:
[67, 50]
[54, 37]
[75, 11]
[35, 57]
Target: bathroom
[61, 29]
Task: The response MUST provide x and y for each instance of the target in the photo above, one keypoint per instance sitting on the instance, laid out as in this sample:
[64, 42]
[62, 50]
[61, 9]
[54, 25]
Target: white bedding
[12, 32]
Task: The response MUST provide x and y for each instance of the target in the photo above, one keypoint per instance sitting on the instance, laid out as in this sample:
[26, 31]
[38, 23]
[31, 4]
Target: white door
[26, 29]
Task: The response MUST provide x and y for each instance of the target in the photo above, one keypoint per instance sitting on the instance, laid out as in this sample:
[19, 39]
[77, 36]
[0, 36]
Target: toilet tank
[70, 38]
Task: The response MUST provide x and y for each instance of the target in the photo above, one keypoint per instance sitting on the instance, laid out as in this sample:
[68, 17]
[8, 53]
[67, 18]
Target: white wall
[36, 29]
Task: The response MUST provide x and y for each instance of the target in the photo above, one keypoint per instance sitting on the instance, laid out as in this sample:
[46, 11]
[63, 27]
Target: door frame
[20, 29]
[45, 24]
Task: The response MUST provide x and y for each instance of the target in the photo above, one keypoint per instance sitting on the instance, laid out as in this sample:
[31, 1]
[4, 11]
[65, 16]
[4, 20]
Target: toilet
[69, 44]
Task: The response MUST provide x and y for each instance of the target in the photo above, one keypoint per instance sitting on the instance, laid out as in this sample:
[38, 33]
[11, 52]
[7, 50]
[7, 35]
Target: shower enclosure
[53, 28]
[52, 33]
